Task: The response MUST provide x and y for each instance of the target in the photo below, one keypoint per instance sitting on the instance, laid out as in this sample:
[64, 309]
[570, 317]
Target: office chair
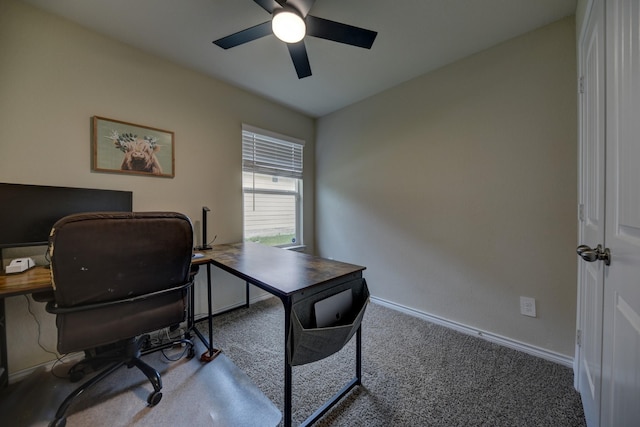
[117, 276]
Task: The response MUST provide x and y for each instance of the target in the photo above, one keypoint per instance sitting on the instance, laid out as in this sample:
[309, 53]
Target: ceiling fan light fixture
[288, 26]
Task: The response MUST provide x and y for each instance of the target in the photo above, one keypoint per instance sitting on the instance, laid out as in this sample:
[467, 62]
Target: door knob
[587, 254]
[591, 255]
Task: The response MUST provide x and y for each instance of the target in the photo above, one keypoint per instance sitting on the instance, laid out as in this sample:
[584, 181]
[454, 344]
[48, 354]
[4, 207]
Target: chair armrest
[53, 308]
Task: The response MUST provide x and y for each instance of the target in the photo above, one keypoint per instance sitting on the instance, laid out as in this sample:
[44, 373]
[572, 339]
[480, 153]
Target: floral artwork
[127, 148]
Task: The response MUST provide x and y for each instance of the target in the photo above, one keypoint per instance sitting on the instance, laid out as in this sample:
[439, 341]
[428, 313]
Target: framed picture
[122, 147]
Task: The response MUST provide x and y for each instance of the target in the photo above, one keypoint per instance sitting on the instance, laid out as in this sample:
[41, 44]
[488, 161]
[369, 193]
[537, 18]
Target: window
[272, 187]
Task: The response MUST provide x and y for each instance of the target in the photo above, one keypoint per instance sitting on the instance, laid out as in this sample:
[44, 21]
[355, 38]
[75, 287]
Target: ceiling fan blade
[268, 5]
[303, 6]
[300, 59]
[338, 32]
[244, 36]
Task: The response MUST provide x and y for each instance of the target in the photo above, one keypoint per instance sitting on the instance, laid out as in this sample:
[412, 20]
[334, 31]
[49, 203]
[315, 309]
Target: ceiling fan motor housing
[288, 25]
[304, 25]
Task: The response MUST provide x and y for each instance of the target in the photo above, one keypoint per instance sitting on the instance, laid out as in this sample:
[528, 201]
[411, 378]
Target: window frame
[299, 182]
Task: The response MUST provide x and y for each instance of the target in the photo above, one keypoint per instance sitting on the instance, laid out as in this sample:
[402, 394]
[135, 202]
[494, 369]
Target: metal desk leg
[359, 355]
[287, 365]
[211, 352]
[357, 380]
[191, 315]
[4, 366]
[246, 301]
[210, 306]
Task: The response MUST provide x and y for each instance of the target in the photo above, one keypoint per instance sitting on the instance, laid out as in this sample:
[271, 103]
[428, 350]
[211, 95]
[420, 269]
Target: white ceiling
[414, 37]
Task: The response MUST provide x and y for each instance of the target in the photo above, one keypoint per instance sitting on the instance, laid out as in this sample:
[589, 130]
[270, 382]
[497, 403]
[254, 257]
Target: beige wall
[457, 189]
[55, 75]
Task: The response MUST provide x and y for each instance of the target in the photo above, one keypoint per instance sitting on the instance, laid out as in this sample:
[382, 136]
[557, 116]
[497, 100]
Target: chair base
[125, 353]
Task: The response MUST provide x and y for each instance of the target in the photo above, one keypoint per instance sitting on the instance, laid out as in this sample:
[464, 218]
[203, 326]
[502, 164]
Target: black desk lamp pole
[204, 245]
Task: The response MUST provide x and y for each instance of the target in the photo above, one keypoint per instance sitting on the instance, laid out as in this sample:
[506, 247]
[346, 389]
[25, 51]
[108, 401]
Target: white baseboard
[497, 339]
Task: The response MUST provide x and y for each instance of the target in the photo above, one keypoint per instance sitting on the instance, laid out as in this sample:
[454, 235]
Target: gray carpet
[414, 374]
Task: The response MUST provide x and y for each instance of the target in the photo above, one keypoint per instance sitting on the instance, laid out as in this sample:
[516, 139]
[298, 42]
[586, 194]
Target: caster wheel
[191, 352]
[60, 422]
[154, 398]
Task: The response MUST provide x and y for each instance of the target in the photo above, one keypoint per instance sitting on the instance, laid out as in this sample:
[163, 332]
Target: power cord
[163, 336]
[59, 359]
[170, 359]
[47, 257]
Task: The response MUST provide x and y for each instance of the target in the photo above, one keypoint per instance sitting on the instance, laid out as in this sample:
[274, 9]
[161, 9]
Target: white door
[592, 211]
[621, 327]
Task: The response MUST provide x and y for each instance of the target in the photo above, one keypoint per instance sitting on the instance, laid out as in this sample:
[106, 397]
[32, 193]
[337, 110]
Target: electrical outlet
[528, 306]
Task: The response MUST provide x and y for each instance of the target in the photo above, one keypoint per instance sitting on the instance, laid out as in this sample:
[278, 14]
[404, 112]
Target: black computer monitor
[27, 212]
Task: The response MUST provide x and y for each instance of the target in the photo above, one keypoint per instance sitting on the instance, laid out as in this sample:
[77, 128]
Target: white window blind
[271, 155]
[272, 187]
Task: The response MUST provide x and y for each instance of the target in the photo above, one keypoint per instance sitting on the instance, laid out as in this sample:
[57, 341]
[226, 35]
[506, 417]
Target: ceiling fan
[290, 22]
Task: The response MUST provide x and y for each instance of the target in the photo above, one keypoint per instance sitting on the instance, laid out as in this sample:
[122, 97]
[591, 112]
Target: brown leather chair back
[120, 257]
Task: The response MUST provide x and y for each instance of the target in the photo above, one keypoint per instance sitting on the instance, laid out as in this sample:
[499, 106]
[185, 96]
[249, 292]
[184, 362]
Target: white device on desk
[332, 309]
[19, 265]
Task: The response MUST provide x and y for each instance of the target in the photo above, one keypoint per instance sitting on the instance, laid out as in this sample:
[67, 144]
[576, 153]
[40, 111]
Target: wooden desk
[290, 276]
[280, 272]
[35, 279]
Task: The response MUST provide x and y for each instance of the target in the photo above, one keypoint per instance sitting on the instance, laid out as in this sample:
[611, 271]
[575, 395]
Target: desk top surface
[281, 272]
[33, 280]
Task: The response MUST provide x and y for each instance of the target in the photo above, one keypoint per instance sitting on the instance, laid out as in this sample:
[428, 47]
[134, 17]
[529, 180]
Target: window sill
[298, 248]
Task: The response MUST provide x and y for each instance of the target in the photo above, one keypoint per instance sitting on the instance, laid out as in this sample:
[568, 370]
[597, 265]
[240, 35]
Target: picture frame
[122, 147]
